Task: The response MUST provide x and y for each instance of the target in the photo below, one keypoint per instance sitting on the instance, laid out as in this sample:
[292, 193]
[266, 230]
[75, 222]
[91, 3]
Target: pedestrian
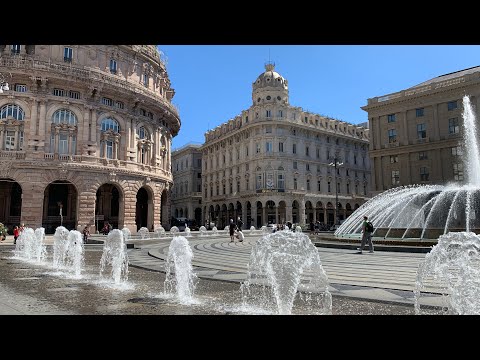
[239, 234]
[240, 223]
[86, 234]
[16, 234]
[367, 235]
[232, 231]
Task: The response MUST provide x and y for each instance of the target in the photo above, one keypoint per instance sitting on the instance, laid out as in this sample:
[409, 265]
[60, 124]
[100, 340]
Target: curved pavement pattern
[381, 276]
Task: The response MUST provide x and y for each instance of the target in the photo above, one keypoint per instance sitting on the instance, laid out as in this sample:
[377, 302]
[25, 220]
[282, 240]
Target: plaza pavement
[383, 276]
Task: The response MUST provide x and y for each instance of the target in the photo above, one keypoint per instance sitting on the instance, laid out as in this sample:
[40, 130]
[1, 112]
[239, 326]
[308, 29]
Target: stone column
[130, 210]
[264, 216]
[94, 128]
[115, 149]
[42, 121]
[105, 148]
[2, 140]
[86, 208]
[85, 134]
[16, 139]
[244, 214]
[32, 202]
[325, 214]
[55, 150]
[277, 220]
[70, 136]
[33, 118]
[315, 215]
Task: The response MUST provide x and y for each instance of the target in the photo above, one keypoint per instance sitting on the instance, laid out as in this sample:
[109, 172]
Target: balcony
[17, 155]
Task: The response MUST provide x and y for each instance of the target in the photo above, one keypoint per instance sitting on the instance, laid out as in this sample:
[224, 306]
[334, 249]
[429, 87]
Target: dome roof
[270, 77]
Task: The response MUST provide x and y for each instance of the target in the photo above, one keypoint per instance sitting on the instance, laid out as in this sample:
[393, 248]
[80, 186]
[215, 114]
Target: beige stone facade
[416, 133]
[187, 190]
[88, 130]
[270, 164]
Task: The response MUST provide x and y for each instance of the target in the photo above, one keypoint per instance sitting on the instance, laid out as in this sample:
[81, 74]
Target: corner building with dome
[271, 163]
[85, 136]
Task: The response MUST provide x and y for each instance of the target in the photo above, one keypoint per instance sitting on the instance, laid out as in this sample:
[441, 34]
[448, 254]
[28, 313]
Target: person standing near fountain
[86, 233]
[232, 231]
[367, 235]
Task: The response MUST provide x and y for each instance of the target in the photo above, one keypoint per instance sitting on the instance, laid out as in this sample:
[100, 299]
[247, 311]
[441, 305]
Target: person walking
[232, 231]
[367, 235]
[16, 234]
[239, 223]
[86, 234]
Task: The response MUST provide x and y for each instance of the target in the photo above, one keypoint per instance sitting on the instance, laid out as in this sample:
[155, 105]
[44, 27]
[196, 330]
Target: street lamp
[3, 83]
[336, 163]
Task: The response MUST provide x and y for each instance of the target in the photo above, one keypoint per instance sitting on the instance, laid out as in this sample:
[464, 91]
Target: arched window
[64, 116]
[13, 138]
[142, 133]
[12, 110]
[110, 124]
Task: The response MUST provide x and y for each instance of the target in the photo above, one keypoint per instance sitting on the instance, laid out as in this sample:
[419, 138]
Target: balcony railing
[82, 73]
[20, 155]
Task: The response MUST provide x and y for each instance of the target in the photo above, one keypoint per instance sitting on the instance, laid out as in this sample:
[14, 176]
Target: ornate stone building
[416, 132]
[85, 134]
[187, 191]
[271, 163]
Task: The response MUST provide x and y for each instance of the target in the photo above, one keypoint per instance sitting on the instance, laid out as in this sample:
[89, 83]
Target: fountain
[74, 253]
[454, 263]
[115, 254]
[252, 229]
[24, 245]
[126, 234]
[160, 231]
[143, 232]
[281, 264]
[174, 230]
[203, 231]
[60, 245]
[426, 211]
[215, 231]
[298, 229]
[265, 230]
[39, 248]
[187, 232]
[180, 279]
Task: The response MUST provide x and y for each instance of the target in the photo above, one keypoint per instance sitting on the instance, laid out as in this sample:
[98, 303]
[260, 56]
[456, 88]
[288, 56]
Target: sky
[213, 83]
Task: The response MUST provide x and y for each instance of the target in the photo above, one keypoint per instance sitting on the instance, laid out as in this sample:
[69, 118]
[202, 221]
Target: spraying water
[187, 232]
[214, 231]
[115, 254]
[39, 247]
[127, 234]
[252, 228]
[180, 279]
[160, 231]
[60, 245]
[427, 211]
[143, 232]
[25, 244]
[455, 264]
[74, 255]
[281, 264]
[174, 230]
[203, 231]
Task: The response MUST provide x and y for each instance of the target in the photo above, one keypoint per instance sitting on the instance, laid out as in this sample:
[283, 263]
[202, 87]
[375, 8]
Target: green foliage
[3, 230]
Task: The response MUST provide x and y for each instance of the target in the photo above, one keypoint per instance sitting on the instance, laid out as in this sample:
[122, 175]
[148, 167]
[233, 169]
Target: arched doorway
[216, 216]
[176, 213]
[144, 209]
[259, 214]
[198, 216]
[282, 212]
[349, 211]
[59, 206]
[330, 213]
[271, 217]
[238, 212]
[340, 214]
[10, 203]
[309, 211]
[109, 206]
[295, 212]
[319, 210]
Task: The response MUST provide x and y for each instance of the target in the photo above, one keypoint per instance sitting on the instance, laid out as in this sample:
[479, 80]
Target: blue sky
[213, 83]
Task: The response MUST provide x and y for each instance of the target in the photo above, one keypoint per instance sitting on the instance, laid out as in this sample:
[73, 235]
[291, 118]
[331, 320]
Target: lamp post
[3, 83]
[335, 163]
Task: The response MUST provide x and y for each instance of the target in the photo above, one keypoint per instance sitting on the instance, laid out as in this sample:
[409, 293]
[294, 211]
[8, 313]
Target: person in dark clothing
[239, 223]
[232, 231]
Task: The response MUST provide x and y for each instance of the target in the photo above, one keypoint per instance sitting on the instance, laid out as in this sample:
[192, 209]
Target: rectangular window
[307, 151]
[453, 126]
[246, 167]
[392, 136]
[295, 184]
[319, 185]
[281, 181]
[113, 66]
[268, 130]
[280, 147]
[74, 94]
[295, 165]
[422, 155]
[348, 188]
[393, 159]
[280, 113]
[268, 147]
[452, 105]
[365, 190]
[458, 172]
[269, 113]
[10, 141]
[419, 112]
[308, 184]
[246, 151]
[145, 80]
[395, 177]
[109, 149]
[391, 118]
[246, 119]
[218, 190]
[355, 159]
[20, 88]
[294, 148]
[230, 188]
[58, 92]
[316, 122]
[63, 143]
[318, 153]
[67, 54]
[422, 131]
[457, 151]
[423, 174]
[107, 101]
[307, 167]
[247, 186]
[306, 119]
[258, 148]
[329, 187]
[259, 181]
